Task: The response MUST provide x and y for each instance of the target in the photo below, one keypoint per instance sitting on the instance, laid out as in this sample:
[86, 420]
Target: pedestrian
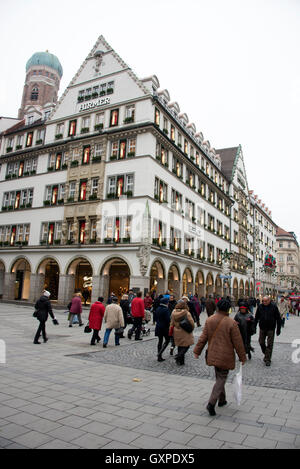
[95, 319]
[283, 307]
[124, 303]
[298, 308]
[171, 305]
[268, 317]
[76, 308]
[182, 339]
[110, 298]
[163, 316]
[138, 314]
[131, 296]
[210, 306]
[148, 302]
[197, 307]
[42, 309]
[223, 337]
[155, 305]
[114, 319]
[85, 295]
[246, 323]
[203, 302]
[191, 307]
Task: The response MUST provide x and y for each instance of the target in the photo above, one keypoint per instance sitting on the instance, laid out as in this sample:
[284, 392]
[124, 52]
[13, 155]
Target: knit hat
[164, 301]
[47, 293]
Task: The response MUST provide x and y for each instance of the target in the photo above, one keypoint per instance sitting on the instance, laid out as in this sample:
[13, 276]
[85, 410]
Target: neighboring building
[288, 265]
[116, 189]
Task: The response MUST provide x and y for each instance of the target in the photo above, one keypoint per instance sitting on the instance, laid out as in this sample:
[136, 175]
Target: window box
[60, 201]
[96, 159]
[50, 168]
[58, 136]
[85, 130]
[70, 241]
[70, 199]
[26, 173]
[164, 244]
[95, 95]
[155, 241]
[46, 203]
[38, 142]
[112, 196]
[4, 209]
[6, 243]
[87, 97]
[14, 176]
[129, 193]
[64, 166]
[194, 219]
[22, 206]
[18, 243]
[179, 145]
[8, 176]
[158, 158]
[128, 120]
[165, 131]
[93, 197]
[108, 240]
[24, 243]
[10, 207]
[93, 241]
[18, 147]
[110, 90]
[74, 164]
[80, 99]
[126, 240]
[29, 205]
[156, 197]
[192, 158]
[166, 165]
[42, 242]
[57, 241]
[131, 154]
[33, 171]
[98, 127]
[102, 93]
[112, 158]
[8, 149]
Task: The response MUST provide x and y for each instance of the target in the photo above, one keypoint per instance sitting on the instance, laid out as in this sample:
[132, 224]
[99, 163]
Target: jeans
[106, 337]
[72, 317]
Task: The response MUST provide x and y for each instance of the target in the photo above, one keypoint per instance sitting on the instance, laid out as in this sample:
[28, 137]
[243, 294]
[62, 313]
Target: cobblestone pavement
[67, 394]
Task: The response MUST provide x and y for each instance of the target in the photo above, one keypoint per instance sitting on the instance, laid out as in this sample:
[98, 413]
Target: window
[60, 129]
[93, 229]
[129, 114]
[34, 94]
[160, 191]
[177, 168]
[82, 190]
[99, 150]
[86, 154]
[99, 121]
[186, 146]
[47, 114]
[86, 123]
[117, 229]
[19, 141]
[189, 209]
[72, 188]
[176, 200]
[188, 246]
[72, 128]
[114, 117]
[81, 231]
[110, 87]
[175, 239]
[122, 149]
[131, 146]
[120, 185]
[50, 231]
[29, 139]
[58, 161]
[157, 117]
[172, 133]
[159, 232]
[94, 186]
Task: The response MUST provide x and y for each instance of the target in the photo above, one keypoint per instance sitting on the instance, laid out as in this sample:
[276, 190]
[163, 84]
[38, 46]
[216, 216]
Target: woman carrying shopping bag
[224, 338]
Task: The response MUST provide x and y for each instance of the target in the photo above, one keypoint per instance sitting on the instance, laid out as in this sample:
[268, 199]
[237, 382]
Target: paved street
[67, 394]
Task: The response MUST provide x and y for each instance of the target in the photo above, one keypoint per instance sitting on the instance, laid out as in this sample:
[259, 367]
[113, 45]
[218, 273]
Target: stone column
[143, 283]
[190, 288]
[66, 289]
[36, 286]
[96, 290]
[104, 286]
[9, 286]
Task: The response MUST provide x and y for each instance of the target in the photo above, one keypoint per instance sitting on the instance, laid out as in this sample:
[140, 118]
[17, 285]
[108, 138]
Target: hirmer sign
[95, 103]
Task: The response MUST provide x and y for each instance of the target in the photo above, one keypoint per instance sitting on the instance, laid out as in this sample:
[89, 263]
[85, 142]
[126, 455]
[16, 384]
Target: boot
[160, 358]
[211, 409]
[171, 350]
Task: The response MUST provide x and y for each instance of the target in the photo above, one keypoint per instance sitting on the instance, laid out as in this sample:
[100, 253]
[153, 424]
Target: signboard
[226, 276]
[95, 103]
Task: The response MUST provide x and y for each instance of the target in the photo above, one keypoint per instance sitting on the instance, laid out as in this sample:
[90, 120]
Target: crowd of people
[175, 321]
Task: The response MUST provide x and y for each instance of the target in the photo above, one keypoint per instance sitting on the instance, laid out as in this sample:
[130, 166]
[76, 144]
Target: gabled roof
[228, 157]
[282, 232]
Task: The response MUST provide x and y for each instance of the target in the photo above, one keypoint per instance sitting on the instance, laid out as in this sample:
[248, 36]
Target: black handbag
[87, 329]
[119, 331]
[186, 325]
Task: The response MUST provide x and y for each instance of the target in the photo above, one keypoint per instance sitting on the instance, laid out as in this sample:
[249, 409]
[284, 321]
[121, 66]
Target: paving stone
[259, 443]
[32, 439]
[4, 442]
[12, 430]
[65, 433]
[58, 444]
[280, 436]
[149, 442]
[22, 418]
[251, 430]
[202, 430]
[98, 428]
[124, 436]
[175, 424]
[90, 441]
[230, 437]
[176, 436]
[149, 429]
[200, 442]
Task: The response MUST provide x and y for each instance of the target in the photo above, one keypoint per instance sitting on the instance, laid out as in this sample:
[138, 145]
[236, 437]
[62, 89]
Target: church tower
[43, 75]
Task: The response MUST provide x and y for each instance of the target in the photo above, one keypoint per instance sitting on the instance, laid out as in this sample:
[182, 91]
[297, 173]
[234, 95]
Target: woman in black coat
[125, 305]
[163, 317]
[42, 309]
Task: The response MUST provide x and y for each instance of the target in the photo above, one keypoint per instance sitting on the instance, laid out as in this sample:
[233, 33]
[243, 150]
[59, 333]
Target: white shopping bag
[237, 386]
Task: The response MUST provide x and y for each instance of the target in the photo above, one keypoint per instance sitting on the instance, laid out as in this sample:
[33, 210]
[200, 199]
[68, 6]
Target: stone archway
[79, 277]
[199, 284]
[218, 286]
[247, 289]
[252, 290]
[2, 278]
[157, 278]
[235, 289]
[187, 283]
[209, 284]
[115, 276]
[241, 289]
[22, 272]
[48, 270]
[174, 281]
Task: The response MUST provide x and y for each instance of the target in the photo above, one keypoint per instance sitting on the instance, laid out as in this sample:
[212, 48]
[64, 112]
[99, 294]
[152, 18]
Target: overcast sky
[232, 65]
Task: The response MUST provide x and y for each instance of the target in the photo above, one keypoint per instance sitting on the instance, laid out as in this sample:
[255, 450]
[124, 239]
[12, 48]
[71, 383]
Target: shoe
[70, 325]
[80, 325]
[117, 345]
[221, 404]
[140, 338]
[171, 351]
[98, 340]
[129, 336]
[45, 340]
[211, 409]
[249, 355]
[36, 342]
[252, 349]
[93, 343]
[160, 359]
[268, 363]
[104, 345]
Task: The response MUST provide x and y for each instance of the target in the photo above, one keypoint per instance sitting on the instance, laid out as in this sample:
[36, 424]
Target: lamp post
[226, 272]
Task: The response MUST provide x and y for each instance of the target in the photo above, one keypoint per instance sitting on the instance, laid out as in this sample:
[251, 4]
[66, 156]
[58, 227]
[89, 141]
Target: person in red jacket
[95, 319]
[138, 314]
[148, 302]
[76, 308]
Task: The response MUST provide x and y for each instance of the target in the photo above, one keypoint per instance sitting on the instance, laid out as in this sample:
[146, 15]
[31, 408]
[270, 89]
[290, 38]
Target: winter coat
[181, 337]
[268, 317]
[171, 305]
[210, 306]
[43, 308]
[227, 340]
[137, 308]
[197, 306]
[163, 317]
[76, 306]
[148, 302]
[125, 308]
[114, 316]
[246, 325]
[283, 308]
[96, 315]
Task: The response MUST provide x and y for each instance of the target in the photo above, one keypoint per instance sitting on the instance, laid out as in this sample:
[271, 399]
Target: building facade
[114, 189]
[288, 267]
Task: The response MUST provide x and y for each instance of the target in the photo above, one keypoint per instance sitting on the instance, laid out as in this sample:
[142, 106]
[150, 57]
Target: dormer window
[34, 94]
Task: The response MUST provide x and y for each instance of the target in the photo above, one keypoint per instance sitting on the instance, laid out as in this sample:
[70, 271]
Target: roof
[45, 58]
[281, 232]
[228, 156]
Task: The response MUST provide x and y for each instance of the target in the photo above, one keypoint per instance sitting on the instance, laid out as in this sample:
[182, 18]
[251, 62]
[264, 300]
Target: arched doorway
[218, 286]
[50, 270]
[241, 289]
[115, 278]
[157, 278]
[174, 281]
[209, 284]
[82, 273]
[235, 289]
[22, 271]
[251, 289]
[199, 284]
[2, 272]
[187, 282]
[247, 291]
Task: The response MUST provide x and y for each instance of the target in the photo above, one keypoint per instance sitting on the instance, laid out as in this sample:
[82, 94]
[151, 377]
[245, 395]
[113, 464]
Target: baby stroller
[145, 331]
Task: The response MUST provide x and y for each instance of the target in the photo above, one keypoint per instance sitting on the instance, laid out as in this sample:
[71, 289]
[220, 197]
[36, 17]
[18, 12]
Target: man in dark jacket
[210, 306]
[43, 308]
[163, 316]
[268, 317]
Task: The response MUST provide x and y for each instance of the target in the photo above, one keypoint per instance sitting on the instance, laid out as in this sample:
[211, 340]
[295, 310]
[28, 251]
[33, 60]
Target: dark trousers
[180, 355]
[218, 391]
[41, 329]
[95, 336]
[137, 327]
[160, 346]
[266, 349]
